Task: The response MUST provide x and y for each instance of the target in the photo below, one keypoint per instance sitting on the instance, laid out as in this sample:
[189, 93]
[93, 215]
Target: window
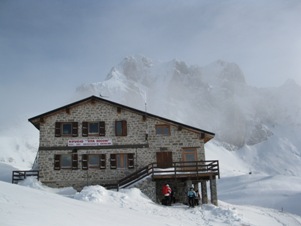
[163, 130]
[93, 161]
[65, 161]
[122, 161]
[93, 129]
[66, 129]
[189, 154]
[121, 128]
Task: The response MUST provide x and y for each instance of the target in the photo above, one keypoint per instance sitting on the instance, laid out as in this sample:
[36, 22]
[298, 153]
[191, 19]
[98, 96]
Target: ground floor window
[96, 161]
[122, 161]
[65, 161]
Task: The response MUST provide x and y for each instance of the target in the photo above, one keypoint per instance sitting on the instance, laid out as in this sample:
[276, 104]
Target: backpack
[191, 194]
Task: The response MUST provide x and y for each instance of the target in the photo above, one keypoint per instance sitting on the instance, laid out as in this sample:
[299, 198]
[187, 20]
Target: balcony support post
[213, 190]
[204, 192]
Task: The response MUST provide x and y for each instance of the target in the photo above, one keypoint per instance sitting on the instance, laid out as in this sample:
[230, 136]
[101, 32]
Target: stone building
[95, 141]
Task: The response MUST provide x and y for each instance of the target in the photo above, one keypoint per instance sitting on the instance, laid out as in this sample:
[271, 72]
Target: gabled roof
[39, 118]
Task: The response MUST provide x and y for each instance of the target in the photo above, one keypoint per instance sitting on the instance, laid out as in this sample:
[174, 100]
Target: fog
[48, 48]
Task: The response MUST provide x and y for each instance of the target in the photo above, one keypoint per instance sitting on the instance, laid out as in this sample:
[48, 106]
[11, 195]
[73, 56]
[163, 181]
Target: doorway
[164, 159]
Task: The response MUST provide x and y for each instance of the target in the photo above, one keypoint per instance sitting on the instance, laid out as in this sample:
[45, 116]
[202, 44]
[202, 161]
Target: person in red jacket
[166, 190]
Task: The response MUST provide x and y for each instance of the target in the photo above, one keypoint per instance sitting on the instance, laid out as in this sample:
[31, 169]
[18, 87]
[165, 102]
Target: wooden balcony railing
[195, 169]
[21, 175]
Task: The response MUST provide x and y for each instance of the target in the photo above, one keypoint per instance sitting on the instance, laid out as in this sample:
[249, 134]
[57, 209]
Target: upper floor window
[163, 130]
[66, 129]
[121, 128]
[93, 129]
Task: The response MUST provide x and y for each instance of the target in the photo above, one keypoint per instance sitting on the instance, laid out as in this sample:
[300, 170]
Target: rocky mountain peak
[214, 97]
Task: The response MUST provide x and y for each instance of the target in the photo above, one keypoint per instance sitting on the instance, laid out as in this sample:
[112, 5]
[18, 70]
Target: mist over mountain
[214, 97]
[260, 124]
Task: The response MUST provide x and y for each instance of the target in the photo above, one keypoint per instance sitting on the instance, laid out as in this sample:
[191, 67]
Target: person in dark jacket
[197, 198]
[191, 196]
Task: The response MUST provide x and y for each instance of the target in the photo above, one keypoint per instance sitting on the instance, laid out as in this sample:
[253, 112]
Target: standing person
[166, 190]
[197, 198]
[191, 196]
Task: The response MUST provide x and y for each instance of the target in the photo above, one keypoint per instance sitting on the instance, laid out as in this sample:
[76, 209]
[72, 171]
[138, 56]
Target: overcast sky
[49, 47]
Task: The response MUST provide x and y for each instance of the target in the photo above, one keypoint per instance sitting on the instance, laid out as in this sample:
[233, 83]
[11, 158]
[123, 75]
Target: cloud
[48, 48]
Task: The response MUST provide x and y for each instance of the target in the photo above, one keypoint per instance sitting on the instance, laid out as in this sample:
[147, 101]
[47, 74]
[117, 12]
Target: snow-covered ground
[34, 205]
[260, 194]
[244, 199]
[257, 144]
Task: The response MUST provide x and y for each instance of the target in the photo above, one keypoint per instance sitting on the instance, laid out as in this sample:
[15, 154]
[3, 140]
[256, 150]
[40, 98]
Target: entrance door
[164, 159]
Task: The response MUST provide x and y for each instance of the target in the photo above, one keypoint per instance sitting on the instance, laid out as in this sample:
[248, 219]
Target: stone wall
[137, 126]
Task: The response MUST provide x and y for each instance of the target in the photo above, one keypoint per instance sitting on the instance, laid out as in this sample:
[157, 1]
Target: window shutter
[84, 161]
[124, 128]
[74, 161]
[85, 129]
[102, 159]
[57, 162]
[57, 129]
[131, 161]
[102, 129]
[116, 130]
[75, 129]
[113, 161]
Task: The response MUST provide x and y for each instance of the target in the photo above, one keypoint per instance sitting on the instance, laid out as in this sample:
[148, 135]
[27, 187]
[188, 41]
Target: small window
[122, 161]
[65, 161]
[93, 129]
[163, 130]
[93, 161]
[66, 129]
[121, 128]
